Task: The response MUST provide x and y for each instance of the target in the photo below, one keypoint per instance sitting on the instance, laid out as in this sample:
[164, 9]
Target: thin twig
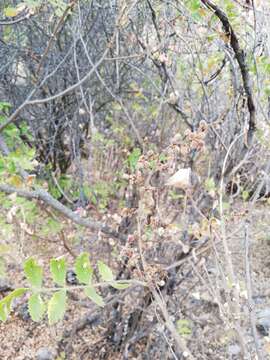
[180, 344]
[252, 316]
[232, 279]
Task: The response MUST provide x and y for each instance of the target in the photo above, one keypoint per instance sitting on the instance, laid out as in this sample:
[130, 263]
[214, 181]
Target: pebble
[234, 350]
[44, 354]
[263, 321]
[5, 285]
[71, 278]
[23, 312]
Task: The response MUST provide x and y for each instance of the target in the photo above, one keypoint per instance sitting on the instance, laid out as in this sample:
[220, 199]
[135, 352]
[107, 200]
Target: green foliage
[59, 7]
[4, 106]
[33, 272]
[56, 305]
[119, 285]
[6, 302]
[194, 7]
[267, 90]
[163, 158]
[6, 229]
[51, 227]
[245, 195]
[36, 307]
[62, 356]
[174, 195]
[58, 269]
[210, 185]
[94, 296]
[100, 193]
[65, 183]
[106, 275]
[183, 327]
[29, 211]
[83, 269]
[133, 158]
[231, 10]
[105, 272]
[226, 206]
[21, 157]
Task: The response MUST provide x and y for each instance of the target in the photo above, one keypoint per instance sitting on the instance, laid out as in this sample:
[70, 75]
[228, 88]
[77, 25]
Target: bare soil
[75, 338]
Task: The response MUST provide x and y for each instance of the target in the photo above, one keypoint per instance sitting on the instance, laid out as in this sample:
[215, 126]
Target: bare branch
[249, 293]
[241, 59]
[41, 194]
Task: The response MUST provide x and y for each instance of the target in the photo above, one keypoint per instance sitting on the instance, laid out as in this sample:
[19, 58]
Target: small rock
[71, 278]
[234, 350]
[212, 271]
[263, 321]
[258, 300]
[44, 354]
[23, 312]
[5, 285]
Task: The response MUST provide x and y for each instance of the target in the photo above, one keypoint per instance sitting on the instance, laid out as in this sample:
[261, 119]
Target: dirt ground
[22, 339]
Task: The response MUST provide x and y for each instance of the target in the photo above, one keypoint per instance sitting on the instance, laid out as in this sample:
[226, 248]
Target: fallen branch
[41, 194]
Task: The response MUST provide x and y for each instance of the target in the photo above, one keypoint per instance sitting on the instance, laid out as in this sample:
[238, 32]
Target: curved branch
[41, 194]
[241, 59]
[215, 75]
[15, 21]
[28, 101]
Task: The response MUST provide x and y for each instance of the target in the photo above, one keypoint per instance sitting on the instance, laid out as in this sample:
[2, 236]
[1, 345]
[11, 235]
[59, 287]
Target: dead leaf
[30, 179]
[15, 180]
[173, 98]
[26, 228]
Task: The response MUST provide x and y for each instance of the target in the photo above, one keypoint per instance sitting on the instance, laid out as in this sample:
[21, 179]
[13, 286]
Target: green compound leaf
[83, 269]
[105, 272]
[58, 269]
[33, 273]
[57, 306]
[93, 295]
[36, 307]
[5, 303]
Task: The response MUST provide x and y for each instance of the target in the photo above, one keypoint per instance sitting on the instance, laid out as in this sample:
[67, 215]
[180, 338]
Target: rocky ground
[81, 334]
